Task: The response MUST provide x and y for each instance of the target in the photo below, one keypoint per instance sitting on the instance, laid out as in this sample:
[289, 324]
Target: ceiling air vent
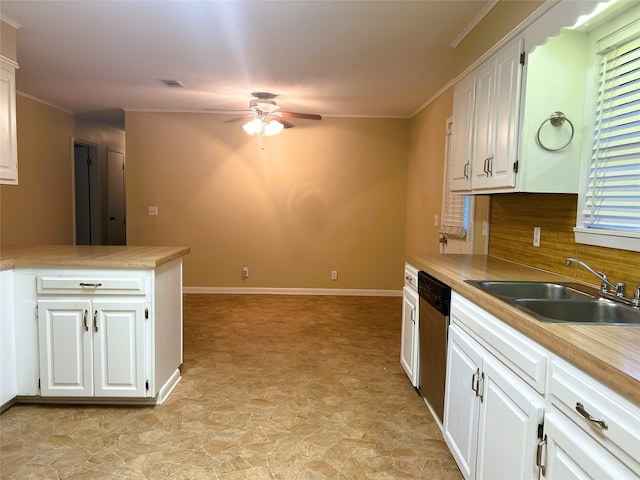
[173, 83]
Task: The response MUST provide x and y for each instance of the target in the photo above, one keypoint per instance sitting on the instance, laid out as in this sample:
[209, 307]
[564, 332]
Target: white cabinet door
[461, 405]
[409, 338]
[462, 135]
[506, 114]
[491, 416]
[66, 362]
[483, 124]
[91, 348]
[498, 87]
[571, 454]
[8, 135]
[118, 343]
[508, 430]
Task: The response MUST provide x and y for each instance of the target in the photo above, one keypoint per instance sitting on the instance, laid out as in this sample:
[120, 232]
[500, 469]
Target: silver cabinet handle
[581, 410]
[466, 170]
[539, 463]
[84, 320]
[474, 381]
[95, 285]
[95, 320]
[490, 166]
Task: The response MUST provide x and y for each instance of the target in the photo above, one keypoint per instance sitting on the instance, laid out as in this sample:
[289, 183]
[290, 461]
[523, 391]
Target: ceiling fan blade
[285, 123]
[242, 117]
[307, 116]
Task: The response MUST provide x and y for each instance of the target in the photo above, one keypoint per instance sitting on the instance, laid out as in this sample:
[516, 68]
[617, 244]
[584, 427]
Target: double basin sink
[568, 303]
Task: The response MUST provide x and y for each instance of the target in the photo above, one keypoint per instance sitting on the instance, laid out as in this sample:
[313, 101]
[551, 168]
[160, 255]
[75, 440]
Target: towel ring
[556, 119]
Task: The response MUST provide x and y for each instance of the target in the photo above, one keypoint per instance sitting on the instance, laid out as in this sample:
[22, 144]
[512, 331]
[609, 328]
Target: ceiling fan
[266, 118]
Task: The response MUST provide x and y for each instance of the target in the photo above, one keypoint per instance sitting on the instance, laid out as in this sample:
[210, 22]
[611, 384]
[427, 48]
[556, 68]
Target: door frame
[96, 191]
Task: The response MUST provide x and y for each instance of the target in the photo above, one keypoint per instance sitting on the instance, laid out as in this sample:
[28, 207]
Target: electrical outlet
[245, 271]
[485, 228]
[536, 236]
[334, 275]
[152, 211]
[436, 220]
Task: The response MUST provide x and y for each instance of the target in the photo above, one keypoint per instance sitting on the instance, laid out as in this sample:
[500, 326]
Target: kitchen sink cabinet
[92, 347]
[572, 455]
[491, 416]
[515, 410]
[409, 335]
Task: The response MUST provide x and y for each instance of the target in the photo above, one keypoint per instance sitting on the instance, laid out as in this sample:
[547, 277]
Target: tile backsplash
[513, 217]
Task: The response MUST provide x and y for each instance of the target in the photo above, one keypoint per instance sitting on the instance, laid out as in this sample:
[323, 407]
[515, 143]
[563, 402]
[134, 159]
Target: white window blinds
[455, 207]
[612, 198]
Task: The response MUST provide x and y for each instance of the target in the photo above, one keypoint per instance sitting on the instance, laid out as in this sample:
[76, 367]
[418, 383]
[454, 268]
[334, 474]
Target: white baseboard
[294, 291]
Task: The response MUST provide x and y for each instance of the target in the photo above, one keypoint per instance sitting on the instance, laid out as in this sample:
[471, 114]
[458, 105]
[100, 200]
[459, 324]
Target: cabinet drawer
[92, 283]
[569, 386]
[411, 277]
[519, 353]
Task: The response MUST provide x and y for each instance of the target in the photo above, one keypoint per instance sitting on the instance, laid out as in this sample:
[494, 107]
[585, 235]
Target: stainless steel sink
[553, 302]
[536, 290]
[581, 311]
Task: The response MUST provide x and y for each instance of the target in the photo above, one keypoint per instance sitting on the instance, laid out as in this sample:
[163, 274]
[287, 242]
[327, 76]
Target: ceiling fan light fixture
[253, 126]
[273, 127]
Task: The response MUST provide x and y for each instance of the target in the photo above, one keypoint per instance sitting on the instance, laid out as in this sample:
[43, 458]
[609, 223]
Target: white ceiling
[335, 58]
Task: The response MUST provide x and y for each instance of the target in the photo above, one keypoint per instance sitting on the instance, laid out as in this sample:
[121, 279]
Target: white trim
[9, 64]
[10, 21]
[472, 24]
[44, 102]
[294, 291]
[168, 387]
[608, 238]
[433, 97]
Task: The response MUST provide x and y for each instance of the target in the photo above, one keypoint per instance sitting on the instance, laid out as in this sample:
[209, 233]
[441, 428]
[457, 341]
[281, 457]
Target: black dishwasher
[435, 301]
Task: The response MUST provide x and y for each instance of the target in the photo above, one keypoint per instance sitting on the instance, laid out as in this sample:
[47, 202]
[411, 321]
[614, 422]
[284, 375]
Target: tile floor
[274, 387]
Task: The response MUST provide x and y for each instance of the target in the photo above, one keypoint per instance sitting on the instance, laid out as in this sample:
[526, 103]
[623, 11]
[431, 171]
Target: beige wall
[323, 196]
[39, 210]
[426, 169]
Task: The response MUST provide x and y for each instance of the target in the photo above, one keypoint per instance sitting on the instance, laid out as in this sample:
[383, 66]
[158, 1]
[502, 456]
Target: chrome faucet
[619, 288]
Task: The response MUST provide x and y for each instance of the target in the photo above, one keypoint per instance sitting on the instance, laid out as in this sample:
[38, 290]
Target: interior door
[116, 198]
[85, 178]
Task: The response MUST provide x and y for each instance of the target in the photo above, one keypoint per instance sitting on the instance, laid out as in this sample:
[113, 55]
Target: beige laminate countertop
[88, 256]
[609, 353]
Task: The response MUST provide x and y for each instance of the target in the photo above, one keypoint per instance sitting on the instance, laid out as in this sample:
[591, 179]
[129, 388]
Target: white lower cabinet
[491, 416]
[98, 335]
[516, 410]
[92, 348]
[572, 455]
[408, 340]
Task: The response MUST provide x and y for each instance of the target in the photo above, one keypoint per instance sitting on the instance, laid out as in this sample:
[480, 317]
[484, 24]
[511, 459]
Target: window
[456, 209]
[609, 212]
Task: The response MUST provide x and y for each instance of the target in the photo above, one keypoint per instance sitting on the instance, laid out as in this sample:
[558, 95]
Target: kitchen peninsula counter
[131, 296]
[97, 256]
[609, 353]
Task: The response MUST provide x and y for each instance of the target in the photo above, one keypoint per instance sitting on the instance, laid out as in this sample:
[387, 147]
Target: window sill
[608, 238]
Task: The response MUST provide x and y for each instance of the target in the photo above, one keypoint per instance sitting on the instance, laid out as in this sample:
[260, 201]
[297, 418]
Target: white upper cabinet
[485, 121]
[504, 136]
[8, 137]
